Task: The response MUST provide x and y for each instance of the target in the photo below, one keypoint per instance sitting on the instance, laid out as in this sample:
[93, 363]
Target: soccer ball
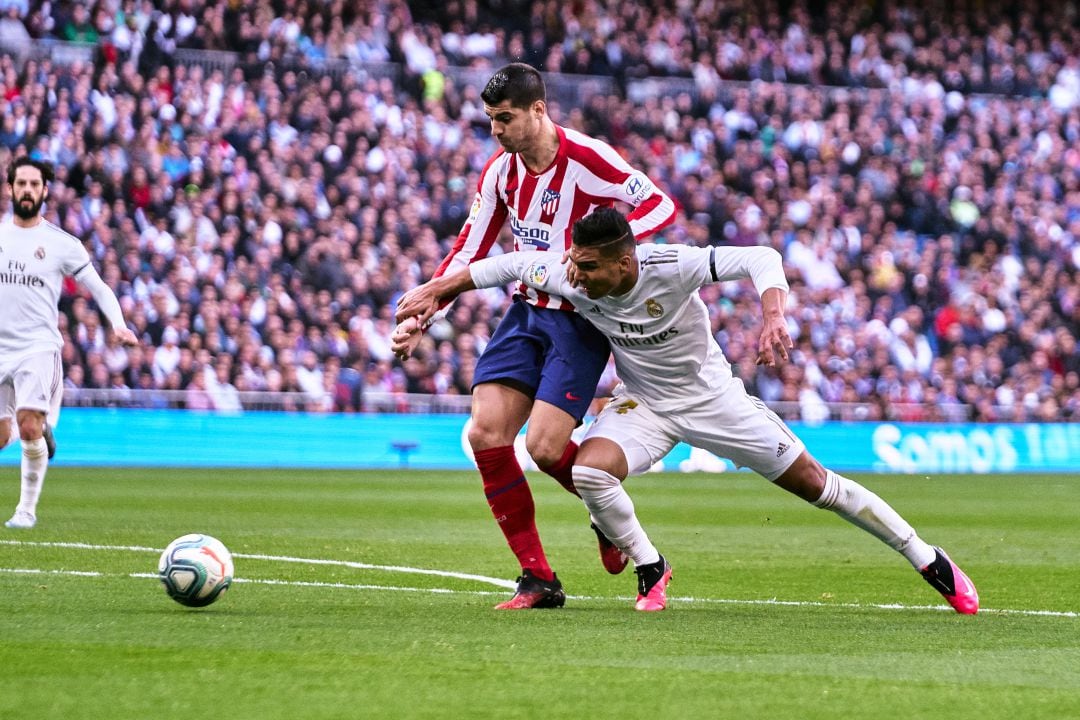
[195, 569]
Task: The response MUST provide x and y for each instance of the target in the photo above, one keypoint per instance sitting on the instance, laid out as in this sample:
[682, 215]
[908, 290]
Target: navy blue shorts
[550, 355]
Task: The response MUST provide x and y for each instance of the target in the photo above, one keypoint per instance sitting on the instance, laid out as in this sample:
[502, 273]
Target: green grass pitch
[370, 594]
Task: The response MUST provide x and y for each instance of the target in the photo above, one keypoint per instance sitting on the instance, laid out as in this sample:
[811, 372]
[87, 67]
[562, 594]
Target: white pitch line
[482, 578]
[39, 571]
[876, 606]
[264, 581]
[498, 582]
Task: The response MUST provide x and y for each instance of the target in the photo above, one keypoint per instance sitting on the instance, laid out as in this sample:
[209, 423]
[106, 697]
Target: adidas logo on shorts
[781, 448]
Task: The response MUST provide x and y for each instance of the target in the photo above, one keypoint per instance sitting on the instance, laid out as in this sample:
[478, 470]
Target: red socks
[563, 470]
[511, 503]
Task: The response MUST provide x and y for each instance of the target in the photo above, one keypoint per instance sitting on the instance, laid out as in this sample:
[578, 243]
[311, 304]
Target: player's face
[515, 128]
[598, 274]
[28, 192]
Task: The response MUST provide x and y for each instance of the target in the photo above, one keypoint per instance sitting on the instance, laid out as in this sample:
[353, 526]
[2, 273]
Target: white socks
[612, 511]
[862, 508]
[35, 460]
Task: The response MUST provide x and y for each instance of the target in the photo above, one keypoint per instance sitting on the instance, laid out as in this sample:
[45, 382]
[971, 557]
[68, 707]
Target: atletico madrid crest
[549, 201]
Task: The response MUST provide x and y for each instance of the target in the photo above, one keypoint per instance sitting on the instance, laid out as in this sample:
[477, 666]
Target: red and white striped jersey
[542, 207]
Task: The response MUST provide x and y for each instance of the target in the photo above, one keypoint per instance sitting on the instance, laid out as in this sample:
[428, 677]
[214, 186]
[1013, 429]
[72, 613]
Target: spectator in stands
[79, 28]
[196, 395]
[13, 32]
[224, 396]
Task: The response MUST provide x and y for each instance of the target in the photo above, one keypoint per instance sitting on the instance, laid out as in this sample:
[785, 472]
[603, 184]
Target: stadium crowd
[919, 171]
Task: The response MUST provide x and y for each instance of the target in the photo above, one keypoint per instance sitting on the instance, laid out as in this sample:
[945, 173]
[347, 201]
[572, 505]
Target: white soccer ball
[195, 569]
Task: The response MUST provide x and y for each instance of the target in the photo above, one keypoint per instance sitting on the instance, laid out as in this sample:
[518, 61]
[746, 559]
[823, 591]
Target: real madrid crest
[40, 253]
[654, 308]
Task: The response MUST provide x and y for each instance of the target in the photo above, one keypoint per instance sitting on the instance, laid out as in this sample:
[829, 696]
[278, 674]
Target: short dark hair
[606, 229]
[519, 83]
[44, 168]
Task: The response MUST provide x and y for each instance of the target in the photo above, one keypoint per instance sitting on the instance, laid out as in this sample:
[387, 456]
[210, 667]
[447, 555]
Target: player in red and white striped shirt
[544, 361]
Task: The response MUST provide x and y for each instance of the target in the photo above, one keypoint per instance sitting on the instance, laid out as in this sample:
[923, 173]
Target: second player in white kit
[35, 257]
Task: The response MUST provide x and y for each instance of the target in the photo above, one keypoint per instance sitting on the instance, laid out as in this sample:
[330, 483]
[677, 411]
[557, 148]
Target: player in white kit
[35, 256]
[678, 386]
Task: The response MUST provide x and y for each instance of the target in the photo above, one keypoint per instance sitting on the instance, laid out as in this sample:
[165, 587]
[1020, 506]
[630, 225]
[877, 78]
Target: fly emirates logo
[15, 274]
[633, 335]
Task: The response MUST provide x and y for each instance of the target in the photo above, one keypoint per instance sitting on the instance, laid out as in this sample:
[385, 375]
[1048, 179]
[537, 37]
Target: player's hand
[571, 269]
[126, 337]
[774, 343]
[405, 338]
[419, 303]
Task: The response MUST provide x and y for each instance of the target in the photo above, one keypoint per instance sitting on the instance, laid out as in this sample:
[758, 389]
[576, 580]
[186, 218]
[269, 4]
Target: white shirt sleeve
[541, 270]
[103, 295]
[762, 265]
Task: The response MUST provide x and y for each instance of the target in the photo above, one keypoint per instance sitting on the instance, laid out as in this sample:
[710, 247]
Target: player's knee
[545, 452]
[30, 428]
[483, 436]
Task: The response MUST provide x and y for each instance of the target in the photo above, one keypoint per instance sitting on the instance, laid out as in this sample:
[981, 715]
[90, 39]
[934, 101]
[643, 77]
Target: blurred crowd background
[259, 181]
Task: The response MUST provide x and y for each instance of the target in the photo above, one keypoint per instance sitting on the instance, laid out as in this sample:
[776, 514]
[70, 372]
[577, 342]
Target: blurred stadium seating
[260, 181]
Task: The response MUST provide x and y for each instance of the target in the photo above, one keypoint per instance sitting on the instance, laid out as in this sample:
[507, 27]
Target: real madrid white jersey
[33, 263]
[660, 333]
[542, 207]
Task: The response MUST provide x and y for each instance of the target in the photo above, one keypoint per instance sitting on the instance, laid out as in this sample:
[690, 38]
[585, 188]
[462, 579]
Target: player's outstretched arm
[418, 305]
[422, 302]
[764, 267]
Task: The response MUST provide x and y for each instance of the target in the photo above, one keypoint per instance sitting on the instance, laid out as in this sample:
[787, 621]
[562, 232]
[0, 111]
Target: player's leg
[505, 381]
[35, 462]
[498, 414]
[53, 418]
[826, 489]
[547, 439]
[34, 380]
[551, 428]
[576, 357]
[50, 440]
[625, 439]
[753, 436]
[865, 509]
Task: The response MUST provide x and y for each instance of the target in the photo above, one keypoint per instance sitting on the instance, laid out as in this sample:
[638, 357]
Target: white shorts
[32, 382]
[731, 424]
